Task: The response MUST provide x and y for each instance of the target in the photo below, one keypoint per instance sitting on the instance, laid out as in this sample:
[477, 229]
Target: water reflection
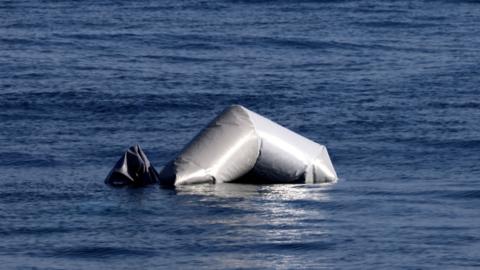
[279, 222]
[276, 204]
[315, 192]
[280, 192]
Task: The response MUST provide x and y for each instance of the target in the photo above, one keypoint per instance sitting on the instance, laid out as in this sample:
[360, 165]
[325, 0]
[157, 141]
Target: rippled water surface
[390, 87]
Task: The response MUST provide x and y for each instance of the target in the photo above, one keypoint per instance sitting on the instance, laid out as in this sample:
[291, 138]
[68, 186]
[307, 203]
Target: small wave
[18, 159]
[179, 59]
[65, 104]
[396, 24]
[34, 231]
[99, 252]
[18, 41]
[456, 105]
[466, 194]
[98, 36]
[40, 196]
[462, 143]
[295, 246]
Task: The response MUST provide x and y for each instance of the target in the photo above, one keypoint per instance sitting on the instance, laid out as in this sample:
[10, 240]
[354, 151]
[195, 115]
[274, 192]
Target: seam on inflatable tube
[259, 139]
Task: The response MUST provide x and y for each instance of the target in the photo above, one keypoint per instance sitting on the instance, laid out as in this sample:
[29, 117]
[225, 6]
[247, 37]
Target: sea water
[390, 87]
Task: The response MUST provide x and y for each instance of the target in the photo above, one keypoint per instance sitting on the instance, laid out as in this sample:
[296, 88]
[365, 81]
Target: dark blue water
[390, 87]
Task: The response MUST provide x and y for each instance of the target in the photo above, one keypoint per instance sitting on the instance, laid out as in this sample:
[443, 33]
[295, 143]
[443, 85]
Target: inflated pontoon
[237, 146]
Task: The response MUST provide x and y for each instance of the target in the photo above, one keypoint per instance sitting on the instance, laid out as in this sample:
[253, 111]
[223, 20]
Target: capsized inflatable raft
[237, 146]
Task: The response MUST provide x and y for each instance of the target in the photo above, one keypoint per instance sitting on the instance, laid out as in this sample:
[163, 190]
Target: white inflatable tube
[240, 145]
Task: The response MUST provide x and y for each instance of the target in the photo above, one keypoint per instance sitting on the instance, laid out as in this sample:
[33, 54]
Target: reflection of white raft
[240, 145]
